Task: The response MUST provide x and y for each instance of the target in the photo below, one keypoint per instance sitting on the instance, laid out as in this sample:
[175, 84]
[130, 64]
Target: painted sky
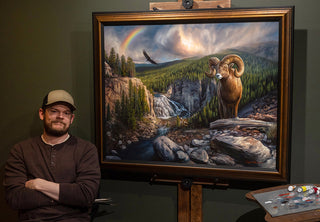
[172, 42]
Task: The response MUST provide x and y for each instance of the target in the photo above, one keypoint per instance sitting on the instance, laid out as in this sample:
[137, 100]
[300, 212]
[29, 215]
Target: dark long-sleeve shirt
[73, 164]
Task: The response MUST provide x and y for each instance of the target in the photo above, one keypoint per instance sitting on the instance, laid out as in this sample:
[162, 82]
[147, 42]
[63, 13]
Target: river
[142, 150]
[165, 108]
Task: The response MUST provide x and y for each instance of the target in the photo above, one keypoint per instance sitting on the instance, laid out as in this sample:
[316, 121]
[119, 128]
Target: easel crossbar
[196, 5]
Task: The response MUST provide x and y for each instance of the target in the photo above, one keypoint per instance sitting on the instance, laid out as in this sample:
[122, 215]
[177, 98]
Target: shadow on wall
[6, 211]
[298, 140]
[256, 215]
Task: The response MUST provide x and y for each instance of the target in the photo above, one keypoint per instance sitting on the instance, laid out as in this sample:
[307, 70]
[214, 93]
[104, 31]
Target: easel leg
[196, 203]
[190, 204]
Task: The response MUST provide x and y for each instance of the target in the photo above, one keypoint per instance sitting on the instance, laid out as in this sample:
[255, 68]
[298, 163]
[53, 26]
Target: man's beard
[53, 132]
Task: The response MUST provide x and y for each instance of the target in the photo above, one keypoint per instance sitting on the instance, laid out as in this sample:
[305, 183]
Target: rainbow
[130, 37]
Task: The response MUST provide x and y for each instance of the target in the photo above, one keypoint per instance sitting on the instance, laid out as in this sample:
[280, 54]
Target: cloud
[171, 42]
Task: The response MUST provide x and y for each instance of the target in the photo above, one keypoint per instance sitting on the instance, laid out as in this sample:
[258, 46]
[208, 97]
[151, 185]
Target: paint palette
[294, 199]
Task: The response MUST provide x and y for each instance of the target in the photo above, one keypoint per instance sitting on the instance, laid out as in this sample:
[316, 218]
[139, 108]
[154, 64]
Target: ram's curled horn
[213, 61]
[236, 60]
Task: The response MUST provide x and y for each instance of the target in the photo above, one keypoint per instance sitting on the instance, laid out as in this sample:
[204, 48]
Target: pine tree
[112, 59]
[117, 110]
[123, 71]
[108, 117]
[178, 121]
[130, 67]
[117, 67]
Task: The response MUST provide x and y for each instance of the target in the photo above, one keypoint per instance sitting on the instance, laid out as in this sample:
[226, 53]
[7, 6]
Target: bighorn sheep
[229, 89]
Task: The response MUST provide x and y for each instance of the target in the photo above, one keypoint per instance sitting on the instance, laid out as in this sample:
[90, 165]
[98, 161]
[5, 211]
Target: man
[55, 176]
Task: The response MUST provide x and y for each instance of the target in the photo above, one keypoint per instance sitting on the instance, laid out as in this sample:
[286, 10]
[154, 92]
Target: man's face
[56, 119]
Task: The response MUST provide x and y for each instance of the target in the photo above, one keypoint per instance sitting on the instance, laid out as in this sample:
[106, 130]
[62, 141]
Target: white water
[165, 108]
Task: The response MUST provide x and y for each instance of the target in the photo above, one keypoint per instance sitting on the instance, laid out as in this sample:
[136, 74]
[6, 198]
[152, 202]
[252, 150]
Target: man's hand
[48, 188]
[33, 184]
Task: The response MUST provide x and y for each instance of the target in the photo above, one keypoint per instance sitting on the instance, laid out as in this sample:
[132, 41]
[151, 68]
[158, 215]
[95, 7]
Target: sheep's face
[222, 71]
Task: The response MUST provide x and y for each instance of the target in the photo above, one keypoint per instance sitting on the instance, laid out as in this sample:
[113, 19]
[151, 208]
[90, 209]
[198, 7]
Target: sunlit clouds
[182, 41]
[171, 42]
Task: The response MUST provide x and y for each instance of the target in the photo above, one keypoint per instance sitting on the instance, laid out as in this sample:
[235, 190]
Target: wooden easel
[190, 200]
[198, 4]
[190, 204]
[190, 196]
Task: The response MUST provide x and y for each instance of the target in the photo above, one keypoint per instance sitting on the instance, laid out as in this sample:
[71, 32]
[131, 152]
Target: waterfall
[165, 108]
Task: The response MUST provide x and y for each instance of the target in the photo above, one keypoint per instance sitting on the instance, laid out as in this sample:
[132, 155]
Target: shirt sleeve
[17, 195]
[85, 189]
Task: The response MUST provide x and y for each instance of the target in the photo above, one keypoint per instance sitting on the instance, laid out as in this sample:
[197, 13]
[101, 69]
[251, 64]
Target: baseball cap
[58, 96]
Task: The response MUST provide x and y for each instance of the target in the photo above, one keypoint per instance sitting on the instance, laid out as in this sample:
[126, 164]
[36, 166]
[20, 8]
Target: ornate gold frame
[283, 15]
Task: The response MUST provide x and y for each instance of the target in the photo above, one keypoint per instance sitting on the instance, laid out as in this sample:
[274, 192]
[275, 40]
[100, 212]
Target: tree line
[132, 106]
[120, 65]
[260, 78]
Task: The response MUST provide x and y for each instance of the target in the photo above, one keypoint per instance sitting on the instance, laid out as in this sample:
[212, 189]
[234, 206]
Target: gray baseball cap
[58, 96]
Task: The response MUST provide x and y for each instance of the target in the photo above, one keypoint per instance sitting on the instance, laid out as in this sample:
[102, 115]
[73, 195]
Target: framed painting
[196, 94]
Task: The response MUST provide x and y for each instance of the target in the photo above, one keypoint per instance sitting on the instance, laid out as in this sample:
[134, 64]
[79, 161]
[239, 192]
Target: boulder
[198, 143]
[222, 159]
[167, 150]
[112, 158]
[199, 156]
[182, 156]
[243, 149]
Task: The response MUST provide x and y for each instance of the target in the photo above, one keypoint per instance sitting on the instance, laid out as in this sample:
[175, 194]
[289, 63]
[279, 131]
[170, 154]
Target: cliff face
[114, 87]
[192, 94]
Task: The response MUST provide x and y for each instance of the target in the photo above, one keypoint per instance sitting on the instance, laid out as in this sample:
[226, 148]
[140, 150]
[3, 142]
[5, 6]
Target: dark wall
[46, 45]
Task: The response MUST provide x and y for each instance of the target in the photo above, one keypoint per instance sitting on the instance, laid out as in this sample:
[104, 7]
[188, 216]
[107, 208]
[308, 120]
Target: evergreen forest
[132, 107]
[260, 77]
[120, 65]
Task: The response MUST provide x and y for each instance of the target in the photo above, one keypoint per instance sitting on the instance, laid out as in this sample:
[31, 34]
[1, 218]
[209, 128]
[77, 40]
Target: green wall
[46, 45]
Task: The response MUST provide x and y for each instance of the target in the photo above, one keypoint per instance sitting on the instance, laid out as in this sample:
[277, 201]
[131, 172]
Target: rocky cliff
[114, 87]
[192, 94]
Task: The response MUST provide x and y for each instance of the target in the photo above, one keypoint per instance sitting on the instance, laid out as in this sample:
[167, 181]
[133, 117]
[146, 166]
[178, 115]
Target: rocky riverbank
[249, 141]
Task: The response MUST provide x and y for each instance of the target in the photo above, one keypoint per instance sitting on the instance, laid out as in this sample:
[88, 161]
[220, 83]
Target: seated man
[55, 176]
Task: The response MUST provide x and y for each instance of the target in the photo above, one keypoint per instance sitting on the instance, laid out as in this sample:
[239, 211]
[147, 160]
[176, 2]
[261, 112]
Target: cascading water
[165, 108]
